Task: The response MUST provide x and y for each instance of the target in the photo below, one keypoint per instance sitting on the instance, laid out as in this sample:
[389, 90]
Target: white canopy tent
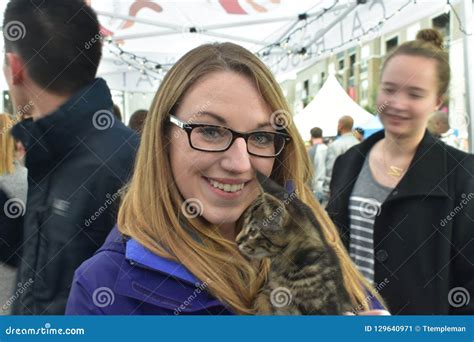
[145, 37]
[328, 106]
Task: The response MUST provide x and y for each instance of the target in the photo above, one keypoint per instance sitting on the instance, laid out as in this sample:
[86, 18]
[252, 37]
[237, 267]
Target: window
[441, 23]
[340, 64]
[391, 44]
[364, 58]
[305, 89]
[352, 60]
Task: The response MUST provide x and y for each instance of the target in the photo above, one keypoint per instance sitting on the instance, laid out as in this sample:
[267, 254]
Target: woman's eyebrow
[264, 124]
[390, 84]
[223, 121]
[218, 118]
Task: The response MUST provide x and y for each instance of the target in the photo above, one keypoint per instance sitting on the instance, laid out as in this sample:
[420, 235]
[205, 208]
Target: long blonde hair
[150, 210]
[7, 144]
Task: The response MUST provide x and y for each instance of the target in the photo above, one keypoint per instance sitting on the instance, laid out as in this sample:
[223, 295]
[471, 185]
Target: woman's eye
[210, 132]
[388, 90]
[416, 96]
[262, 139]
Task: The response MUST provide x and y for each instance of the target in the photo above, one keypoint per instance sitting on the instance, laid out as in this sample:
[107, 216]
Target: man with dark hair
[317, 156]
[117, 112]
[137, 120]
[77, 154]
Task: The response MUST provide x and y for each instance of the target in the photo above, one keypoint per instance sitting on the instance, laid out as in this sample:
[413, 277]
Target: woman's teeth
[227, 187]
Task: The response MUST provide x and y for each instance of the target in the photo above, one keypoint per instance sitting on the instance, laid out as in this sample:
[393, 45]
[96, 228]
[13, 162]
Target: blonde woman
[173, 251]
[13, 186]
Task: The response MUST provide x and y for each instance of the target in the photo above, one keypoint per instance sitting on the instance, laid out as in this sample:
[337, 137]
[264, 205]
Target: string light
[331, 50]
[461, 27]
[147, 67]
[151, 68]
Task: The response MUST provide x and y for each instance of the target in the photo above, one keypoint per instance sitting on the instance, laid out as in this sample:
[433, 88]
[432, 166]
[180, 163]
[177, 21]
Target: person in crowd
[402, 200]
[195, 175]
[359, 133]
[77, 156]
[432, 128]
[137, 120]
[438, 126]
[344, 141]
[13, 185]
[317, 156]
[117, 112]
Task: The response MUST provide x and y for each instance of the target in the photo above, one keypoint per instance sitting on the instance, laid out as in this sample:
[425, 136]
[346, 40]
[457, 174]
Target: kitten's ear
[275, 209]
[270, 186]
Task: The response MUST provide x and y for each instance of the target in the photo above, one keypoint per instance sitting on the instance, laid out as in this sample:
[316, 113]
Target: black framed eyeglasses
[213, 138]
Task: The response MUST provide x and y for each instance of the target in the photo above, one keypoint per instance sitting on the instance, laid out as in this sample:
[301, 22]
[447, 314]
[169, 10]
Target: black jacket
[424, 233]
[77, 158]
[11, 228]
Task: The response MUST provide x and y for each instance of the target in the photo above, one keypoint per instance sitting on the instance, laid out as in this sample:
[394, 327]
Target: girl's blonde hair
[7, 144]
[150, 211]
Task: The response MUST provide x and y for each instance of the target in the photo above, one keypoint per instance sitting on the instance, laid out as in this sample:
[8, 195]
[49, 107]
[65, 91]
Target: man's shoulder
[106, 261]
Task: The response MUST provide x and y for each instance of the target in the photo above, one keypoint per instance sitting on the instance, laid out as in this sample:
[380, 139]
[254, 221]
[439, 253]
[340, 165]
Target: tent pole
[265, 21]
[177, 28]
[231, 37]
[468, 46]
[322, 32]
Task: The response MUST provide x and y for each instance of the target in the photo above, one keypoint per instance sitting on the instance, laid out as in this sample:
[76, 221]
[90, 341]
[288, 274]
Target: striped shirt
[364, 206]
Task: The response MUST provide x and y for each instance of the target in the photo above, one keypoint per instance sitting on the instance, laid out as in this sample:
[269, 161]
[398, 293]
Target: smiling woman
[213, 124]
[392, 193]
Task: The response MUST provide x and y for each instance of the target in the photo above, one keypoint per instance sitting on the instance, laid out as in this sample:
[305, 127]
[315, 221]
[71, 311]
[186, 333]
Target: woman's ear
[439, 102]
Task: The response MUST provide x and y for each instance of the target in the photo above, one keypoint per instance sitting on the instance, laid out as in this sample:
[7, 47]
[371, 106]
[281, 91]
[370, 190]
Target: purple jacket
[124, 278]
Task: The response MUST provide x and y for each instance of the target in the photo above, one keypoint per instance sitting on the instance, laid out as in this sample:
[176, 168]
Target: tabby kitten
[305, 277]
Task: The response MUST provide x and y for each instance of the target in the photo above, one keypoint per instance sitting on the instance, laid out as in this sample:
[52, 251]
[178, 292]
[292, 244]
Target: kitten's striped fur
[304, 270]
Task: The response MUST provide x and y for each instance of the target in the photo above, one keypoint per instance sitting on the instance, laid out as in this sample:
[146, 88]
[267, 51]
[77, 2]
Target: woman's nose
[236, 158]
[397, 100]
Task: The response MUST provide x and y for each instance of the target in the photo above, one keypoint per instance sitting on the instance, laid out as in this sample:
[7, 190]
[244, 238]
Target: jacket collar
[58, 133]
[155, 280]
[426, 175]
[141, 256]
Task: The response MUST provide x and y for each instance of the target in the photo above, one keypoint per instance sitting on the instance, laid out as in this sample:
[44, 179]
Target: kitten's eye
[252, 231]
